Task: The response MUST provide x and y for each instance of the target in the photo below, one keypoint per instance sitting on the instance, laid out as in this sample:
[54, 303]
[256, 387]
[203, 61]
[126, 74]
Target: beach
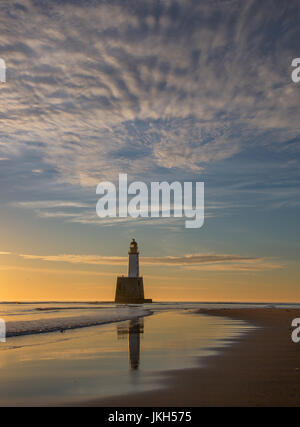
[160, 355]
[70, 353]
[260, 368]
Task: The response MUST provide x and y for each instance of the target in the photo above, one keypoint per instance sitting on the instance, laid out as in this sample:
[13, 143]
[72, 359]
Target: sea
[25, 318]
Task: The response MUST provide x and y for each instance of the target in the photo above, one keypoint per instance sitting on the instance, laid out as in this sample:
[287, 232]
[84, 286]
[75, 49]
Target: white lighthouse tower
[133, 264]
[131, 289]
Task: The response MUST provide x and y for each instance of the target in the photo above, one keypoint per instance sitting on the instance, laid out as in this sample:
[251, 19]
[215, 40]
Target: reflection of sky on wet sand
[106, 360]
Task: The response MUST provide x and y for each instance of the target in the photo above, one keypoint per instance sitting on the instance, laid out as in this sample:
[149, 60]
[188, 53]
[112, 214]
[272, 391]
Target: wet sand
[260, 368]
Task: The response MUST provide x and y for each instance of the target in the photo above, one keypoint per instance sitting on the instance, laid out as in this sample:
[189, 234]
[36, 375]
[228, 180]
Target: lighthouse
[131, 289]
[133, 264]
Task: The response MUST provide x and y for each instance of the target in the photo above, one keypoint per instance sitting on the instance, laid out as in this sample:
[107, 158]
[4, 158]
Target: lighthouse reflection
[133, 328]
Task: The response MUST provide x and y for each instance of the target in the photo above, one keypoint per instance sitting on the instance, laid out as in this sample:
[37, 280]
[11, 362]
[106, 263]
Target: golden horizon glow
[22, 283]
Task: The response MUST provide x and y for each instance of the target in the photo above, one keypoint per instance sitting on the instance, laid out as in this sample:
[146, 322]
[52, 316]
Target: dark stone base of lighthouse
[130, 290]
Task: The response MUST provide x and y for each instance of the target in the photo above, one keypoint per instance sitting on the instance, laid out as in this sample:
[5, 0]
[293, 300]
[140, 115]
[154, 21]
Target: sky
[167, 90]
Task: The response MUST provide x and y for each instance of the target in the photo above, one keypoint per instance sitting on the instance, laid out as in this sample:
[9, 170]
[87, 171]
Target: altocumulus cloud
[210, 262]
[98, 87]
